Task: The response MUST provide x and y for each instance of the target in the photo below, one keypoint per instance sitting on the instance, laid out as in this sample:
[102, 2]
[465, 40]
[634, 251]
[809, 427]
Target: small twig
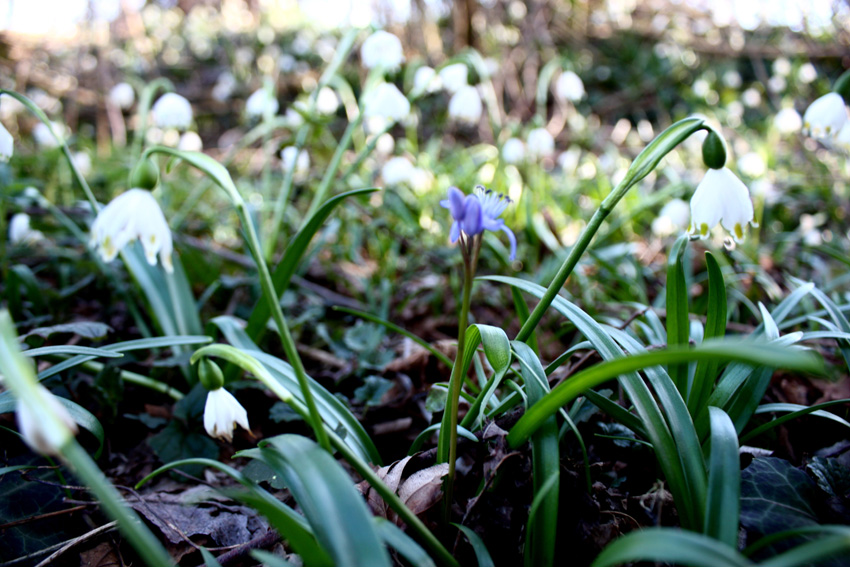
[42, 516]
[87, 536]
[258, 542]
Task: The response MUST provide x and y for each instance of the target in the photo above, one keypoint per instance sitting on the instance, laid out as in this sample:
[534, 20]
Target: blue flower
[473, 214]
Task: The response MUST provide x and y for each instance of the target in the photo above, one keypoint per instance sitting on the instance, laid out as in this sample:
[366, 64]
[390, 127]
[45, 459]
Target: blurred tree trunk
[463, 11]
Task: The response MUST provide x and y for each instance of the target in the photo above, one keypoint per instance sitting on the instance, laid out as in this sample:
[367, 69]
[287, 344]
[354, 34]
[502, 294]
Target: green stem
[138, 379]
[332, 169]
[140, 537]
[145, 101]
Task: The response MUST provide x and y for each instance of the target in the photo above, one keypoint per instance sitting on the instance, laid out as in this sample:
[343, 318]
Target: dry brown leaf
[424, 488]
[102, 555]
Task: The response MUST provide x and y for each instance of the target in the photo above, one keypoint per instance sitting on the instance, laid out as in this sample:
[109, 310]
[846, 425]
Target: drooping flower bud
[714, 150]
[145, 175]
[210, 374]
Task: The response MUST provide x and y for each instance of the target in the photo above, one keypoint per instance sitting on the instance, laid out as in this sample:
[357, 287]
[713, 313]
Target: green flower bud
[714, 150]
[145, 175]
[210, 374]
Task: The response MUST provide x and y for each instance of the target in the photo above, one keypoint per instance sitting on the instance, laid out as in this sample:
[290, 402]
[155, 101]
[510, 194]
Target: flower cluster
[473, 214]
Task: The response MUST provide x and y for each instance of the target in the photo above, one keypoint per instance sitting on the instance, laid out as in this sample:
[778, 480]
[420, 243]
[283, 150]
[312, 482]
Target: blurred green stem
[332, 169]
[145, 103]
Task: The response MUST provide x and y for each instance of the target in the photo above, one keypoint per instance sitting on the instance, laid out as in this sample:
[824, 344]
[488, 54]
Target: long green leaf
[678, 328]
[335, 510]
[394, 537]
[284, 271]
[795, 411]
[715, 328]
[541, 534]
[811, 553]
[497, 349]
[481, 552]
[723, 505]
[72, 349]
[670, 545]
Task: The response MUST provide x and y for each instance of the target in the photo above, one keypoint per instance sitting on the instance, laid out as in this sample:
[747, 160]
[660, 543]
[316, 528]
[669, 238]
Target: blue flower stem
[470, 249]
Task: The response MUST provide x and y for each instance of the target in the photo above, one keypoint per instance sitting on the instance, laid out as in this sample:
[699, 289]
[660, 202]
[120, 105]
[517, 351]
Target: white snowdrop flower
[732, 79]
[190, 142]
[385, 144]
[122, 95]
[721, 198]
[20, 231]
[260, 102]
[672, 218]
[222, 413]
[788, 121]
[513, 151]
[32, 426]
[782, 67]
[293, 118]
[382, 49]
[426, 80]
[224, 87]
[807, 73]
[825, 116]
[172, 111]
[454, 77]
[7, 144]
[751, 97]
[540, 143]
[42, 136]
[387, 102]
[569, 87]
[82, 161]
[133, 214]
[752, 165]
[326, 101]
[300, 161]
[466, 106]
[397, 170]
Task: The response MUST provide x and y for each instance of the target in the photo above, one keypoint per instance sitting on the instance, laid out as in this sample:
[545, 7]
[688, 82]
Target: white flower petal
[825, 116]
[466, 106]
[454, 77]
[7, 144]
[382, 49]
[172, 111]
[721, 198]
[387, 102]
[222, 413]
[34, 429]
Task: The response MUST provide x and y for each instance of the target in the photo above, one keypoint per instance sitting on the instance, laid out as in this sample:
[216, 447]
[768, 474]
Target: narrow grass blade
[541, 535]
[394, 537]
[670, 545]
[72, 349]
[723, 505]
[481, 552]
[677, 311]
[705, 375]
[794, 411]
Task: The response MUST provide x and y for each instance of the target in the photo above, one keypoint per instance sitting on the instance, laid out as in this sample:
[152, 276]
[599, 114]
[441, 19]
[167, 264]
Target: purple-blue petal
[454, 232]
[456, 205]
[512, 240]
[472, 217]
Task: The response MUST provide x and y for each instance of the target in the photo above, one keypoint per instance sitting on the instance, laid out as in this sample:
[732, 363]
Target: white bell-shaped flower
[43, 136]
[672, 218]
[7, 144]
[382, 49]
[387, 102]
[513, 151]
[190, 142]
[397, 170]
[466, 106]
[172, 111]
[290, 157]
[33, 428]
[540, 143]
[426, 80]
[569, 87]
[327, 101]
[721, 198]
[260, 102]
[825, 117]
[788, 121]
[222, 413]
[82, 161]
[454, 77]
[133, 214]
[20, 231]
[122, 95]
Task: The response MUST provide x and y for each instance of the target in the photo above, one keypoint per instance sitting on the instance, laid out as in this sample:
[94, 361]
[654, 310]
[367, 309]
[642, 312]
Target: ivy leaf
[776, 496]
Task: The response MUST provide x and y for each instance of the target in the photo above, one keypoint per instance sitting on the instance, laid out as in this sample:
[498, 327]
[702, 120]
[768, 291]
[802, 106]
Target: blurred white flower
[809, 228]
[454, 77]
[569, 87]
[782, 66]
[513, 151]
[732, 79]
[222, 413]
[286, 63]
[387, 102]
[190, 142]
[752, 165]
[825, 116]
[32, 426]
[540, 143]
[807, 73]
[290, 158]
[224, 87]
[385, 144]
[397, 170]
[122, 95]
[172, 111]
[466, 106]
[788, 121]
[20, 231]
[261, 102]
[133, 214]
[426, 80]
[42, 136]
[326, 101]
[7, 144]
[82, 161]
[672, 218]
[764, 189]
[293, 118]
[382, 49]
[751, 97]
[721, 198]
